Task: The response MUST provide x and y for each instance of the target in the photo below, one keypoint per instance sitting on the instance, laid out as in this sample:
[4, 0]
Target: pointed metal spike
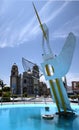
[41, 25]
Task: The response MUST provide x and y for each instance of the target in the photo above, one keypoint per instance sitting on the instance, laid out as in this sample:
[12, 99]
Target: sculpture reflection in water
[56, 67]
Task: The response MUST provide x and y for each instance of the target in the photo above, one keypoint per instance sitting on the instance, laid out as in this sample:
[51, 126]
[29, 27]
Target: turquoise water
[28, 117]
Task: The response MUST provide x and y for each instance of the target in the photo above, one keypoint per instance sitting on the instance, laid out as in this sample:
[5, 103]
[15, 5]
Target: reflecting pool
[28, 117]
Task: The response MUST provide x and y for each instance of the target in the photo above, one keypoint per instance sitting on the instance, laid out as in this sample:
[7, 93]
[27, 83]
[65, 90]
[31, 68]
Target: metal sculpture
[29, 67]
[56, 67]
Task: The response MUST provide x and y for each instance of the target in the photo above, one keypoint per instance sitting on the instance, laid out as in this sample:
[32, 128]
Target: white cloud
[72, 77]
[10, 34]
[14, 30]
[42, 79]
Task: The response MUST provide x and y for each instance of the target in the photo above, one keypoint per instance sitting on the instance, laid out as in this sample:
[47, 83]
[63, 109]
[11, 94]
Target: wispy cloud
[16, 27]
[44, 15]
[56, 12]
[13, 29]
[69, 26]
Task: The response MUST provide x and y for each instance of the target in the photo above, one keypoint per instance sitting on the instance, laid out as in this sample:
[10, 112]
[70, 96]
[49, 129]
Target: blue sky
[21, 36]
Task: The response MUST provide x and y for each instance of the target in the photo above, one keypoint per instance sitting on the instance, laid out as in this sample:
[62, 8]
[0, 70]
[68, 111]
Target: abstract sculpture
[56, 67]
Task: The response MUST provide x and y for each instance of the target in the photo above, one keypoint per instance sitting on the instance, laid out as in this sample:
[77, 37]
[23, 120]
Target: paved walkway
[38, 100]
[33, 100]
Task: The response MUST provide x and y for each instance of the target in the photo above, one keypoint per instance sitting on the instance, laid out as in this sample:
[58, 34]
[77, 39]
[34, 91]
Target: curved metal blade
[41, 25]
[62, 62]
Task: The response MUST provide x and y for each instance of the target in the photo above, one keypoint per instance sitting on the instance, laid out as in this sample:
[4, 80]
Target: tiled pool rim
[33, 105]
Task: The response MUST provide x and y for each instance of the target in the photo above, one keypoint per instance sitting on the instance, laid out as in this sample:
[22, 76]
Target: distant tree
[1, 84]
[6, 97]
[6, 89]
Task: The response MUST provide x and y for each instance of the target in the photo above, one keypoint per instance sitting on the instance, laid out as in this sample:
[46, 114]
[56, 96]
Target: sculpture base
[65, 114]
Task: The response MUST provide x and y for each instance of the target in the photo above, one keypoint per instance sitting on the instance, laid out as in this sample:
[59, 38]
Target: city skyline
[21, 36]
